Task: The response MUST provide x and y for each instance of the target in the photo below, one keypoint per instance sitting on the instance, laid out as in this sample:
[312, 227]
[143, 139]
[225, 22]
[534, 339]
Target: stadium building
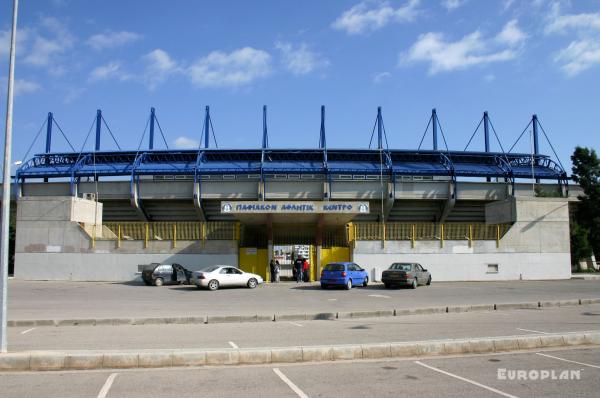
[464, 215]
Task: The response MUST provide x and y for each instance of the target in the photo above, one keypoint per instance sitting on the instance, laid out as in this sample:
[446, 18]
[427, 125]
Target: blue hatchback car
[345, 274]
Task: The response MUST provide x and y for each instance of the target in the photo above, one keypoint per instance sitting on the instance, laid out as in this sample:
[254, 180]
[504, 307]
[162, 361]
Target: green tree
[580, 244]
[586, 173]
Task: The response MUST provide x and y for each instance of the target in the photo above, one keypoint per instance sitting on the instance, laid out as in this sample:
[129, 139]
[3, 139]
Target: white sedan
[224, 275]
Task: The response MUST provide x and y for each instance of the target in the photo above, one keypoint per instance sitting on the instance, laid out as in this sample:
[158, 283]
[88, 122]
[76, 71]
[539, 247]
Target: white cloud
[490, 77]
[299, 59]
[23, 86]
[380, 77]
[237, 68]
[561, 23]
[112, 70]
[110, 39]
[452, 5]
[579, 56]
[506, 4]
[511, 34]
[368, 16]
[471, 50]
[186, 143]
[158, 67]
[582, 53]
[48, 48]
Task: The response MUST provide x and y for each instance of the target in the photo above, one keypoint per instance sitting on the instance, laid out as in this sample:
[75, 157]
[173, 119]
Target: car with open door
[157, 274]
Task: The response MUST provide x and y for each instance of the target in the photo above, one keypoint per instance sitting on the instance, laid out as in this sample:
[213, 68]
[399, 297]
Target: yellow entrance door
[334, 254]
[255, 260]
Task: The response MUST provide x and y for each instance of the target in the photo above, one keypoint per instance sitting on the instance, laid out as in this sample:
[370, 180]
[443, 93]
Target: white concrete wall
[106, 266]
[536, 247]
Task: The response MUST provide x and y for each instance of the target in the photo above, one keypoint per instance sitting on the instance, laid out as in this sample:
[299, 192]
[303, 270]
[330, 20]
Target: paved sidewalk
[290, 333]
[69, 300]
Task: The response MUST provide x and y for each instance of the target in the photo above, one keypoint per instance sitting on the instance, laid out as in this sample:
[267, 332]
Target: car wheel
[252, 283]
[429, 281]
[323, 286]
[414, 284]
[348, 284]
[158, 282]
[213, 285]
[366, 281]
[387, 285]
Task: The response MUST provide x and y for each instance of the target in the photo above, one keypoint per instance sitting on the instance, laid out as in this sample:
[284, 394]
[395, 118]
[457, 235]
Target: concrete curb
[300, 317]
[88, 360]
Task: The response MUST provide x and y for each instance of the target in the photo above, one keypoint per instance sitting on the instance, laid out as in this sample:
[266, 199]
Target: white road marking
[297, 324]
[233, 345]
[107, 385]
[291, 385]
[379, 296]
[567, 360]
[466, 380]
[533, 331]
[332, 299]
[27, 331]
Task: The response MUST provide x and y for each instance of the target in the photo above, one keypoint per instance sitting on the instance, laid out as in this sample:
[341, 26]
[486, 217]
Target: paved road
[432, 377]
[67, 300]
[279, 334]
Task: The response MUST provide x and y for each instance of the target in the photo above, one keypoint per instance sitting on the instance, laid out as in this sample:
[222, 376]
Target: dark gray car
[405, 274]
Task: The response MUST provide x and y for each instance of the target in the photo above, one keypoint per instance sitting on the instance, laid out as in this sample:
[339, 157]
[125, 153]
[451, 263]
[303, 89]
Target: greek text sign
[295, 207]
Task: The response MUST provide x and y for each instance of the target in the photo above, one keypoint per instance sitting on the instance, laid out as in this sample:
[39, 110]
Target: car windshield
[334, 267]
[209, 269]
[401, 266]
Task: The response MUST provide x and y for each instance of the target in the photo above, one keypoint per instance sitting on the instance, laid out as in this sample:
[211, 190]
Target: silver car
[224, 276]
[405, 274]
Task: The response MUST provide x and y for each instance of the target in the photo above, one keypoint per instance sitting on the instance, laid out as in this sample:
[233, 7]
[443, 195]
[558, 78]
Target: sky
[463, 57]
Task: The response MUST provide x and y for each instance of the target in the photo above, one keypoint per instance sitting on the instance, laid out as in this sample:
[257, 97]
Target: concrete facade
[54, 243]
[536, 247]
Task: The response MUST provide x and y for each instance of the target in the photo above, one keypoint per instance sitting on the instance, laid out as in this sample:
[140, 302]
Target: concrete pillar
[269, 246]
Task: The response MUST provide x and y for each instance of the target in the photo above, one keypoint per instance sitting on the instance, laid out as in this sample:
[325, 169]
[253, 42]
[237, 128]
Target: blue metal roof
[293, 161]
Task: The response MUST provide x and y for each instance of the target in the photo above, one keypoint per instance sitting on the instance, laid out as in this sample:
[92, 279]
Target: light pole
[6, 182]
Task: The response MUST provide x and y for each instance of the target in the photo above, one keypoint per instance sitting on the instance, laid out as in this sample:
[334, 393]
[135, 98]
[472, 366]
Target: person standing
[272, 269]
[306, 270]
[298, 265]
[277, 271]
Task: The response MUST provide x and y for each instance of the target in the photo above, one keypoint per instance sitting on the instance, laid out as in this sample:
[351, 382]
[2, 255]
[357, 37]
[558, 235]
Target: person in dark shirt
[298, 264]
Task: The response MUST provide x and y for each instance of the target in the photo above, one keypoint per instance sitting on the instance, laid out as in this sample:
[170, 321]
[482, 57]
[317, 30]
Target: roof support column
[434, 128]
[206, 127]
[197, 195]
[49, 124]
[486, 134]
[379, 129]
[449, 204]
[536, 148]
[98, 128]
[152, 117]
[323, 146]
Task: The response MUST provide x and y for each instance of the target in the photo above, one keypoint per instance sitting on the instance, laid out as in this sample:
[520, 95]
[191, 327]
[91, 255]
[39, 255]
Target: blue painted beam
[152, 118]
[98, 128]
[434, 128]
[49, 132]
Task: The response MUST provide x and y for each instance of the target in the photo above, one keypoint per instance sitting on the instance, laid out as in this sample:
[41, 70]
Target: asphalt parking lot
[308, 333]
[481, 375]
[68, 300]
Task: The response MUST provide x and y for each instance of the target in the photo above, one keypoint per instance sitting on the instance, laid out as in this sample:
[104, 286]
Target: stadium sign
[295, 207]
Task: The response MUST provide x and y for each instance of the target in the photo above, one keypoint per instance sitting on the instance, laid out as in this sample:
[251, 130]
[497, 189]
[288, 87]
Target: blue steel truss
[327, 162]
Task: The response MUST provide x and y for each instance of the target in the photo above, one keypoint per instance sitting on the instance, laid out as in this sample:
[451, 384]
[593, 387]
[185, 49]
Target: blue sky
[511, 58]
